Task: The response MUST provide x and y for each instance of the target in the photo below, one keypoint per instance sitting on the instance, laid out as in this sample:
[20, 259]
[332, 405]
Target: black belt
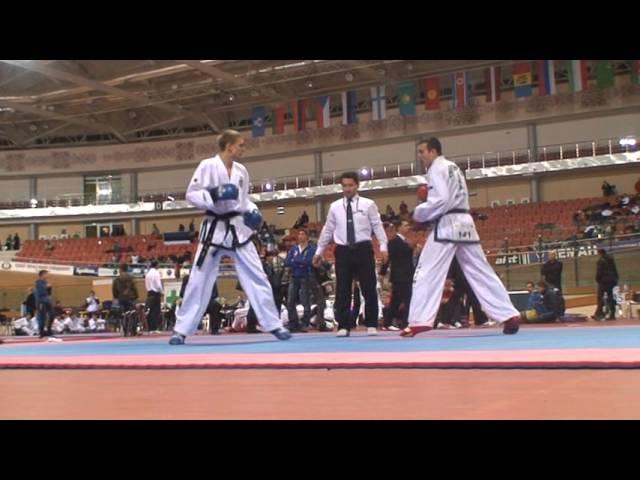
[357, 244]
[453, 210]
[437, 221]
[206, 235]
[456, 210]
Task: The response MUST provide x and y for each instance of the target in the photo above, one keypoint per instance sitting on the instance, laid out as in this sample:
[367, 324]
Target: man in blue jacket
[545, 304]
[44, 305]
[299, 261]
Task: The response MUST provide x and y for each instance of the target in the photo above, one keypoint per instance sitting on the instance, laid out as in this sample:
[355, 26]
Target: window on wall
[103, 189]
[94, 230]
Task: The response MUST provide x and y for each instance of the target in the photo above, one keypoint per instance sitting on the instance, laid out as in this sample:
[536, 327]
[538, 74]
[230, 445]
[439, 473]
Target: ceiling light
[349, 77]
[365, 172]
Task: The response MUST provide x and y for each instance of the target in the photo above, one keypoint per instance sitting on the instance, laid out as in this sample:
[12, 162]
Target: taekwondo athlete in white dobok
[220, 187]
[454, 233]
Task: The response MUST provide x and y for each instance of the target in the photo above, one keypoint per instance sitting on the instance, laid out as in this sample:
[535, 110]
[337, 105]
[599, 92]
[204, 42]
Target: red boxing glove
[422, 193]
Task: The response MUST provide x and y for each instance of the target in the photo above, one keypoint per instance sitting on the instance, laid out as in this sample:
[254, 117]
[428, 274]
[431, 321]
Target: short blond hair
[228, 137]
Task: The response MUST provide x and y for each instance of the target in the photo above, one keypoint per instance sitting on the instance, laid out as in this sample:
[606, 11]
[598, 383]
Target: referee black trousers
[153, 303]
[358, 262]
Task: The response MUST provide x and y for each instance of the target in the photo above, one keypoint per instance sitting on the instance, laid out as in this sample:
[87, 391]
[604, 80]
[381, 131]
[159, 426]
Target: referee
[350, 223]
[153, 284]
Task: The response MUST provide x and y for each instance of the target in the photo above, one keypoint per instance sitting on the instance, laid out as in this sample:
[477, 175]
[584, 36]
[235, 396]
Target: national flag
[635, 72]
[257, 121]
[299, 115]
[460, 93]
[604, 74]
[522, 79]
[378, 103]
[349, 108]
[277, 120]
[323, 113]
[578, 75]
[492, 80]
[407, 93]
[432, 93]
[546, 77]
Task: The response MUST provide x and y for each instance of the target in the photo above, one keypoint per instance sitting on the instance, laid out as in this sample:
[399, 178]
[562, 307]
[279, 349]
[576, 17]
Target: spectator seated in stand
[608, 189]
[71, 322]
[23, 327]
[302, 221]
[450, 311]
[57, 327]
[404, 215]
[545, 305]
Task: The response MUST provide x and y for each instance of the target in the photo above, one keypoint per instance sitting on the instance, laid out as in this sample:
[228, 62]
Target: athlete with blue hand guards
[220, 187]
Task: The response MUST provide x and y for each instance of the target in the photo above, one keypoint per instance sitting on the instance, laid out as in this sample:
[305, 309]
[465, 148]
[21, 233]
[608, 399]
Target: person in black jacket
[607, 278]
[214, 309]
[462, 289]
[546, 304]
[319, 277]
[401, 276]
[30, 304]
[552, 271]
[274, 267]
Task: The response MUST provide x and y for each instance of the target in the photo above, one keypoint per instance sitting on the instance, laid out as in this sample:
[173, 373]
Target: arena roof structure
[49, 103]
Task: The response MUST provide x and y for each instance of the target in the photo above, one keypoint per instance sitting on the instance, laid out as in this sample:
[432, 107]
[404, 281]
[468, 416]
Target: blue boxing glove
[228, 191]
[252, 219]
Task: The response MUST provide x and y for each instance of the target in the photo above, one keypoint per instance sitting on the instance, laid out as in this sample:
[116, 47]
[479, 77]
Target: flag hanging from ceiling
[432, 93]
[349, 106]
[605, 77]
[460, 91]
[299, 115]
[407, 93]
[257, 121]
[492, 81]
[635, 72]
[323, 112]
[277, 120]
[378, 103]
[546, 77]
[522, 79]
[578, 75]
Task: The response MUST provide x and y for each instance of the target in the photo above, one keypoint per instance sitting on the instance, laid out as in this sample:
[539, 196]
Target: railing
[579, 258]
[607, 146]
[579, 266]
